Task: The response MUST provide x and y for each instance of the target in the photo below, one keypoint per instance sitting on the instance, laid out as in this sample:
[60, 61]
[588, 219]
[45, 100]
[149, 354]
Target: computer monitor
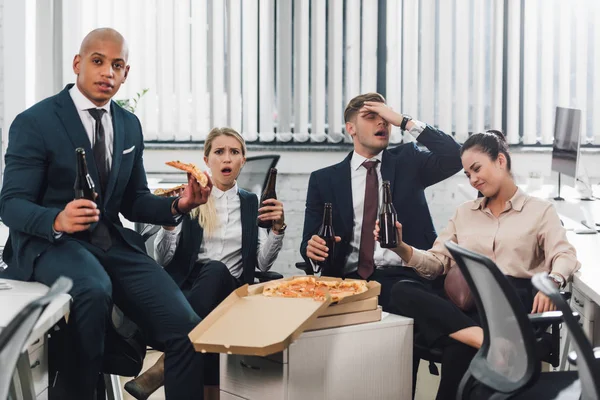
[565, 150]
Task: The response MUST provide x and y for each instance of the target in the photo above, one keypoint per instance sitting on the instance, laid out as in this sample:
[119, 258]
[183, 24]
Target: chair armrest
[573, 356]
[267, 276]
[303, 266]
[549, 317]
[148, 231]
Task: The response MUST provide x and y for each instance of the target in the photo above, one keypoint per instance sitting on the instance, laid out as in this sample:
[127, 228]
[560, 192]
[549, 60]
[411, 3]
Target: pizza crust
[169, 192]
[192, 169]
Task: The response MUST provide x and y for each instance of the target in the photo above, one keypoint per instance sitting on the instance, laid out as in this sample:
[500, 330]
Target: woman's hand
[272, 210]
[398, 230]
[404, 250]
[542, 303]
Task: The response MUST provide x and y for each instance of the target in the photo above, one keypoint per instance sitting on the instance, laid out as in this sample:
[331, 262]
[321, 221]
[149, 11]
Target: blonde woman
[217, 248]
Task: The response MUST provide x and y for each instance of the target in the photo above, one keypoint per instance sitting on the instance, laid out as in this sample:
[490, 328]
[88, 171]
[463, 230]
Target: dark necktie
[366, 264]
[100, 147]
[101, 234]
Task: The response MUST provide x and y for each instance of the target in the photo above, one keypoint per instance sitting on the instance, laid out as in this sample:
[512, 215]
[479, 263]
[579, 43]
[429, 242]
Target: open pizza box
[373, 290]
[353, 318]
[255, 325]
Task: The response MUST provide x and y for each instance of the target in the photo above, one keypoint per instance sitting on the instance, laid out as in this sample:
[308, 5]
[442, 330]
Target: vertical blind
[283, 70]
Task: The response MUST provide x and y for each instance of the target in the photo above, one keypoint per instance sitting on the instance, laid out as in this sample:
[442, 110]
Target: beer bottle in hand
[84, 185]
[327, 267]
[387, 219]
[268, 193]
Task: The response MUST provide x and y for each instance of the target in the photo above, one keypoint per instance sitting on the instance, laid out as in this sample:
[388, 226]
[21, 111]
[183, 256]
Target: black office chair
[255, 173]
[584, 357]
[508, 362]
[16, 333]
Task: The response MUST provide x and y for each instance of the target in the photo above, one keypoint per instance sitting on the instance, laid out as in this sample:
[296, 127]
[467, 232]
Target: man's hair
[357, 103]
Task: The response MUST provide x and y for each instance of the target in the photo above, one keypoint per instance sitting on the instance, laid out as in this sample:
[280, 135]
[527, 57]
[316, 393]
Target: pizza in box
[314, 288]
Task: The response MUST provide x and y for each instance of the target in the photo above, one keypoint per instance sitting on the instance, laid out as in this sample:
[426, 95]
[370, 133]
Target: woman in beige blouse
[522, 234]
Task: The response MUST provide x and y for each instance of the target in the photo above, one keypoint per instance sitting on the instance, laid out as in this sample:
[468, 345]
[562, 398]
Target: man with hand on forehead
[353, 188]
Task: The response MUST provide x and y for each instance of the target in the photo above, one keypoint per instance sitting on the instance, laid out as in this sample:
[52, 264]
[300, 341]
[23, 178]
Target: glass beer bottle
[84, 185]
[268, 193]
[387, 219]
[326, 233]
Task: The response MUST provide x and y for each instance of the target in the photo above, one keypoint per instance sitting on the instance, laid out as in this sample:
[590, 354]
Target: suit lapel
[118, 145]
[342, 190]
[388, 168]
[68, 115]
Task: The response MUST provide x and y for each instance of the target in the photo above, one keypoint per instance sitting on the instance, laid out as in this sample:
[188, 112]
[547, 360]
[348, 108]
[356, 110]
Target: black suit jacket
[192, 235]
[40, 172]
[409, 170]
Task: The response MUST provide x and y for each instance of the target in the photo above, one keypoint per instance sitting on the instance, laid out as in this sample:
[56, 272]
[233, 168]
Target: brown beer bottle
[84, 185]
[327, 267]
[387, 219]
[268, 193]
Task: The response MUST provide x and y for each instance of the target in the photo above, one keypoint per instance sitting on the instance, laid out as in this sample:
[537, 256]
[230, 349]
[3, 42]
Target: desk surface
[13, 300]
[587, 279]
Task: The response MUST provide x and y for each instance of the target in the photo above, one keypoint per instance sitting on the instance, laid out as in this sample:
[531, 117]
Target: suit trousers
[206, 287]
[145, 293]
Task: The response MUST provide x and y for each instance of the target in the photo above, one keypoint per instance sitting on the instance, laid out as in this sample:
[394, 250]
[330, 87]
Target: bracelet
[176, 205]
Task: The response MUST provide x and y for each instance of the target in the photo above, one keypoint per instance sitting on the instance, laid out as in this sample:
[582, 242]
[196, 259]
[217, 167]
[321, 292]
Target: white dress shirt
[226, 243]
[82, 104]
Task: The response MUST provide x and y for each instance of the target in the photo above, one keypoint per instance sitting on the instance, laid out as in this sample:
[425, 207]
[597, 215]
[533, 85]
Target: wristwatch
[405, 119]
[558, 279]
[282, 229]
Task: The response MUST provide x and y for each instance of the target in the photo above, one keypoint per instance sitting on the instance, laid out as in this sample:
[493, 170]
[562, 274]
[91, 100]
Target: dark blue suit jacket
[409, 170]
[40, 172]
[192, 235]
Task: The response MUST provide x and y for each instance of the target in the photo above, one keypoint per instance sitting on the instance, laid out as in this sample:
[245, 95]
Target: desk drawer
[583, 305]
[253, 378]
[36, 344]
[38, 360]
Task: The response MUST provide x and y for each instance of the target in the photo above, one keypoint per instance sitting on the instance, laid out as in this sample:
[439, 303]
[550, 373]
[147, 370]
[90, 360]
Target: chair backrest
[255, 173]
[506, 361]
[587, 366]
[16, 333]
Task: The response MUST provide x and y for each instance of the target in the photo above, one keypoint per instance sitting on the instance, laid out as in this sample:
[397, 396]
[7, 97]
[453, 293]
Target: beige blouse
[525, 239]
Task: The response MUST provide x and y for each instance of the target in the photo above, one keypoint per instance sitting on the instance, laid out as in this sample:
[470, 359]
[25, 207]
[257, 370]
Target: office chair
[253, 177]
[14, 337]
[507, 364]
[586, 358]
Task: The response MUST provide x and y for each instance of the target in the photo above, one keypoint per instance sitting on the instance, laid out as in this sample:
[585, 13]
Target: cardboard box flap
[255, 325]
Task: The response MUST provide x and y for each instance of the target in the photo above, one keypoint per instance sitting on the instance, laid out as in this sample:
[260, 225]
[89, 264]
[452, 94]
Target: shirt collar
[358, 160]
[516, 202]
[82, 103]
[229, 194]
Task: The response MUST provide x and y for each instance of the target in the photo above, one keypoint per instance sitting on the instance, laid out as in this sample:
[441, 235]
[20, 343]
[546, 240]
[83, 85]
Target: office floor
[426, 386]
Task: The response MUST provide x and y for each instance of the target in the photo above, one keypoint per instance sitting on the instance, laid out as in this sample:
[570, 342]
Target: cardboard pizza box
[335, 321]
[374, 288]
[255, 325]
[355, 306]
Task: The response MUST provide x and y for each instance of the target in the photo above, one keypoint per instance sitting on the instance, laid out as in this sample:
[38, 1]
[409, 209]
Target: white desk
[32, 379]
[369, 361]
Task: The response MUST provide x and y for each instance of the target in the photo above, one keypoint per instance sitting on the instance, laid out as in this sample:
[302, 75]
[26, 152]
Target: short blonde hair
[207, 213]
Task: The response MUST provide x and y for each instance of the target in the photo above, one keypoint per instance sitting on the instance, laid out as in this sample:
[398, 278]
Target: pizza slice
[192, 169]
[169, 192]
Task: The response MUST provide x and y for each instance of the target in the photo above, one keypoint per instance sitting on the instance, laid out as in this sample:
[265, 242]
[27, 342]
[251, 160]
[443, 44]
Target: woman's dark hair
[491, 142]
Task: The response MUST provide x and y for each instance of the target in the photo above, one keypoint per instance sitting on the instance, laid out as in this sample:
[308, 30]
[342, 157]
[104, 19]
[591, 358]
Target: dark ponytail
[492, 142]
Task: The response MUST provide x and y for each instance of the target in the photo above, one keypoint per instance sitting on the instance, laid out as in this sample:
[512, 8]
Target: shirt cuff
[417, 128]
[57, 235]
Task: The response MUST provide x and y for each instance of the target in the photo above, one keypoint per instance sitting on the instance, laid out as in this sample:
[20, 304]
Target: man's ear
[350, 128]
[126, 73]
[76, 64]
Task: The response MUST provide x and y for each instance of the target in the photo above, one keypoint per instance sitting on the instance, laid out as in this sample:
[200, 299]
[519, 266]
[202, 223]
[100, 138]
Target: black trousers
[209, 284]
[145, 293]
[436, 317]
[388, 277]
